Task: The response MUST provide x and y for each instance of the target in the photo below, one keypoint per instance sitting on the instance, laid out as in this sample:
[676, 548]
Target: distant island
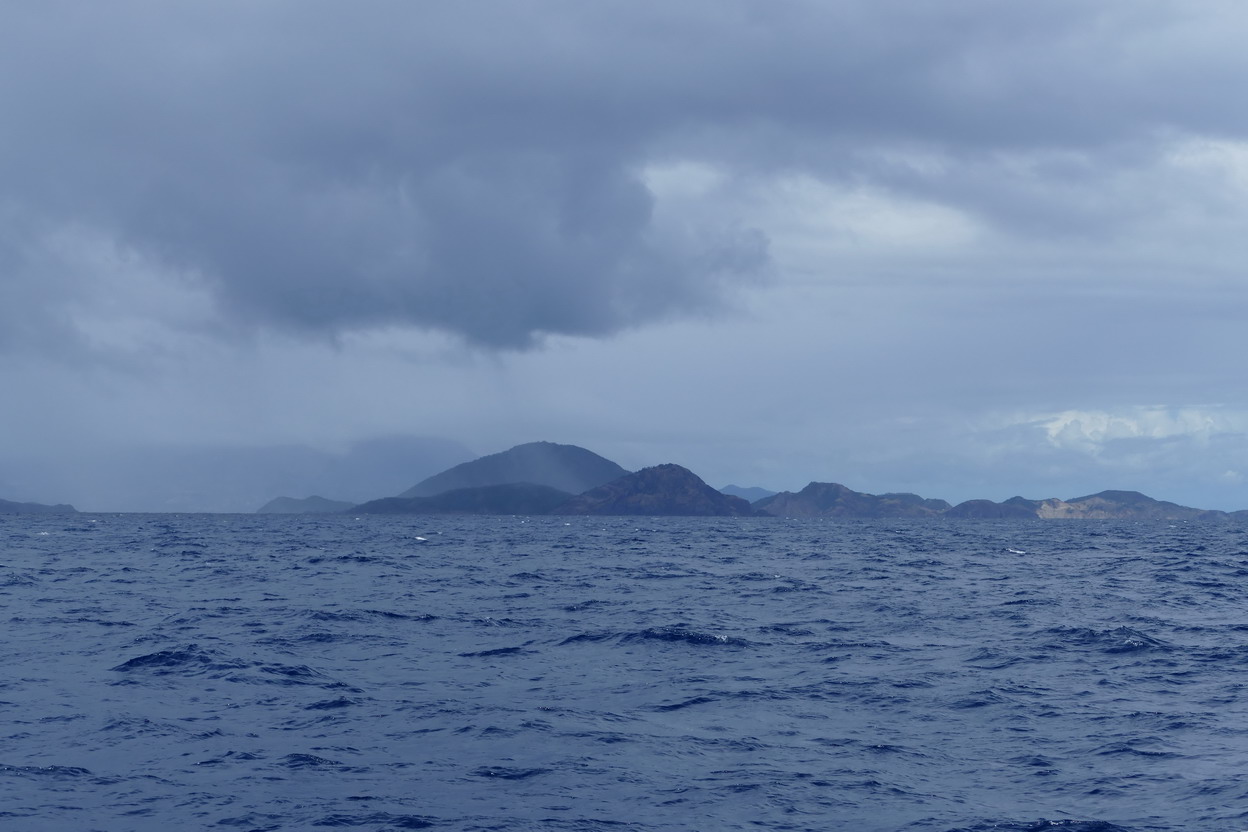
[566, 468]
[505, 498]
[307, 505]
[830, 499]
[548, 478]
[750, 494]
[1104, 505]
[9, 507]
[664, 490]
[834, 500]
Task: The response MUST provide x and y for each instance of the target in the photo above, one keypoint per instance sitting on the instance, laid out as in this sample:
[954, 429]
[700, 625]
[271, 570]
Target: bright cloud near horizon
[967, 249]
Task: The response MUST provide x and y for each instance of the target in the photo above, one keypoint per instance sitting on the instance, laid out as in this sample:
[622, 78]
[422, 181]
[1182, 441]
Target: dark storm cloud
[478, 168]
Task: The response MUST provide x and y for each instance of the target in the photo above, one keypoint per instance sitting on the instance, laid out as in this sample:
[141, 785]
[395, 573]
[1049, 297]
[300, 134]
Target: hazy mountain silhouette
[664, 490]
[830, 499]
[307, 505]
[751, 494]
[506, 498]
[227, 478]
[9, 507]
[1104, 505]
[567, 468]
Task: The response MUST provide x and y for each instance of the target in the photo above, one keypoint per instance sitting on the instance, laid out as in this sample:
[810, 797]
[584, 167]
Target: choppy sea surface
[263, 672]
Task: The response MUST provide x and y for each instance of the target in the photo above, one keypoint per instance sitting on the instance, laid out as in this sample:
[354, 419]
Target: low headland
[10, 507]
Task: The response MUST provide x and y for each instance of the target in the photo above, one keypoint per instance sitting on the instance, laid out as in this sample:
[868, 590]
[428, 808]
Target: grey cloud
[323, 184]
[477, 168]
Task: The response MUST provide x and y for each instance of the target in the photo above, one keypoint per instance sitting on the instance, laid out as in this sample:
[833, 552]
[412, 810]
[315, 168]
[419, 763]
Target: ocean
[262, 672]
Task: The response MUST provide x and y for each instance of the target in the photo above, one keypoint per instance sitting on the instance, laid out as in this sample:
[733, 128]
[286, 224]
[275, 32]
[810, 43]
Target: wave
[377, 820]
[191, 661]
[1117, 640]
[682, 635]
[1042, 826]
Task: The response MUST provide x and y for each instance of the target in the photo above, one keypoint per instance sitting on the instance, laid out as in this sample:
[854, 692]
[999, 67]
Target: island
[830, 499]
[9, 507]
[508, 498]
[540, 478]
[307, 505]
[663, 490]
[567, 468]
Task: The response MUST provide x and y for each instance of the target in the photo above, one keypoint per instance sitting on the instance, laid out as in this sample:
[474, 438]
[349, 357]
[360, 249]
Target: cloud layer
[317, 170]
[481, 170]
[910, 234]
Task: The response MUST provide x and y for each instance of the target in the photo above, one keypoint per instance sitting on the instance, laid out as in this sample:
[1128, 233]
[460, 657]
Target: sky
[968, 249]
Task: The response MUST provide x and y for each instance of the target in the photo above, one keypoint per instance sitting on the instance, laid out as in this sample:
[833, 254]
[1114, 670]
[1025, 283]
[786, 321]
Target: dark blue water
[287, 673]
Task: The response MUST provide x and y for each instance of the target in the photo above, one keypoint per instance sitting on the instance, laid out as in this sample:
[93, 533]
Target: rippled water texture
[383, 673]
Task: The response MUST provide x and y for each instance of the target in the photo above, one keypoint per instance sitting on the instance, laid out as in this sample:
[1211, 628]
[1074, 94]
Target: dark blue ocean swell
[388, 673]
